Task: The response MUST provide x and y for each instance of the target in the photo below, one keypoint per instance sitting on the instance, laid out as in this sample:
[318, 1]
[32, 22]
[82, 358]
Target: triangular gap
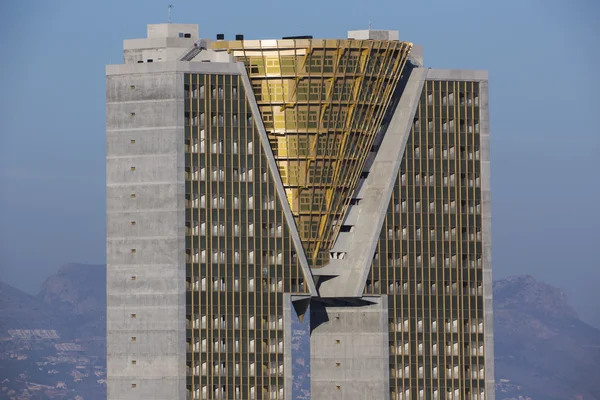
[300, 307]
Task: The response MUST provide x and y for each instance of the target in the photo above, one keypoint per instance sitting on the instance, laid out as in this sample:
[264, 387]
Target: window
[133, 250]
[132, 168]
[133, 278]
[234, 92]
[132, 114]
[133, 385]
[132, 195]
[132, 141]
[133, 316]
[133, 338]
[132, 222]
[133, 362]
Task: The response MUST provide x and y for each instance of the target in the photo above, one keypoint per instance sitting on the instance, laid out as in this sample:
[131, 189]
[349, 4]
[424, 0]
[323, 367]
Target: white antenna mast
[170, 7]
[369, 24]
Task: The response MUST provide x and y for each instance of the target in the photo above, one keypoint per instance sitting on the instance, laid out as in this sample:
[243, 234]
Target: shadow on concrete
[318, 308]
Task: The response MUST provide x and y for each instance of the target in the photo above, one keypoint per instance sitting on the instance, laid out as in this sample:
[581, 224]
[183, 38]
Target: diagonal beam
[360, 245]
[287, 212]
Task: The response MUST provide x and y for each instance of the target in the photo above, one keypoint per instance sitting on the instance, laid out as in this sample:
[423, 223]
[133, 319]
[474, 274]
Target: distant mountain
[78, 289]
[19, 310]
[543, 351]
[541, 346]
[53, 345]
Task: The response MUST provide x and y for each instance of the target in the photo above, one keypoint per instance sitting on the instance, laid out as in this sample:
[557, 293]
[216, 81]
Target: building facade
[296, 219]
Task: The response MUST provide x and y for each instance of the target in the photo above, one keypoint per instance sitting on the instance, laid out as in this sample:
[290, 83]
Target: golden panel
[322, 104]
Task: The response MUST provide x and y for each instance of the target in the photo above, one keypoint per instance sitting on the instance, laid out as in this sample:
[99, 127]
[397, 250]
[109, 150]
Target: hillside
[541, 345]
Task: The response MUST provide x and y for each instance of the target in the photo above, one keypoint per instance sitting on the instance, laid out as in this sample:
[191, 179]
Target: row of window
[271, 369]
[393, 259]
[217, 119]
[449, 152]
[450, 349]
[449, 288]
[218, 202]
[471, 326]
[196, 91]
[277, 393]
[464, 98]
[220, 392]
[470, 206]
[274, 285]
[469, 126]
[241, 174]
[452, 372]
[219, 229]
[466, 179]
[470, 234]
[219, 257]
[197, 321]
[216, 147]
[450, 394]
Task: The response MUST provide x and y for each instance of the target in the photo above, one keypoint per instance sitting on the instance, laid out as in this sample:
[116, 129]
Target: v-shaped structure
[322, 103]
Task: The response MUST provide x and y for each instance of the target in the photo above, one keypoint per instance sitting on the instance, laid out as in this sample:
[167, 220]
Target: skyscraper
[296, 219]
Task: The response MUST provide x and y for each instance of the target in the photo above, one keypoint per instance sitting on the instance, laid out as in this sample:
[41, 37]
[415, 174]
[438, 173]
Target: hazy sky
[542, 55]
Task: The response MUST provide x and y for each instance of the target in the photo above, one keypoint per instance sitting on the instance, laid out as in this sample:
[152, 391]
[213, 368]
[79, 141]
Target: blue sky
[542, 57]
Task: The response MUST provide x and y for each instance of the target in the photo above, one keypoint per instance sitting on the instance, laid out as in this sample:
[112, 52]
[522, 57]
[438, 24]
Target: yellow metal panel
[329, 89]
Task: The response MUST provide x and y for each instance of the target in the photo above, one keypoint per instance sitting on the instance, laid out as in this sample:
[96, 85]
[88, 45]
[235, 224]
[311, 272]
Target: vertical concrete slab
[486, 222]
[145, 236]
[349, 353]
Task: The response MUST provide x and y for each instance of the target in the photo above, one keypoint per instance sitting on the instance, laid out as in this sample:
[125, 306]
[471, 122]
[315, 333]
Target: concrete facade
[349, 356]
[354, 334]
[145, 236]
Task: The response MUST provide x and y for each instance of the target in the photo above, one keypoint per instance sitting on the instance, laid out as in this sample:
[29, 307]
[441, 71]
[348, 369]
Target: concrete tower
[296, 219]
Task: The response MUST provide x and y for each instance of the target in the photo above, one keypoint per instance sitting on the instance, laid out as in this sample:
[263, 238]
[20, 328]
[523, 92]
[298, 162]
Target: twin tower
[295, 219]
